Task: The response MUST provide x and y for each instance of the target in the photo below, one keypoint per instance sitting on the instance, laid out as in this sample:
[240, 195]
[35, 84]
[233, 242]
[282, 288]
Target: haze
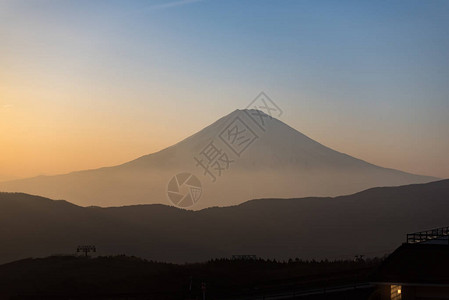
[87, 84]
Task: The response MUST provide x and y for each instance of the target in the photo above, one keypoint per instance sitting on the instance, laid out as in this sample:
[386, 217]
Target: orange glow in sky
[93, 85]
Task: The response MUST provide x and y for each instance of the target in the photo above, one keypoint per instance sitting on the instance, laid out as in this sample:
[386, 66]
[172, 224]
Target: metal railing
[427, 235]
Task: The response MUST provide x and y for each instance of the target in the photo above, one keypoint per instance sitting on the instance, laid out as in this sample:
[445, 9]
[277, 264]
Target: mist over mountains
[372, 223]
[255, 156]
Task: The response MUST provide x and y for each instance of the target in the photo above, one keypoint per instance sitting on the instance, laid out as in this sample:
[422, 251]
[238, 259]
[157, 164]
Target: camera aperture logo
[184, 190]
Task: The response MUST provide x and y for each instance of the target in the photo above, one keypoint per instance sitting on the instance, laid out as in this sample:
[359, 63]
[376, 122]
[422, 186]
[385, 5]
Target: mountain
[372, 222]
[246, 155]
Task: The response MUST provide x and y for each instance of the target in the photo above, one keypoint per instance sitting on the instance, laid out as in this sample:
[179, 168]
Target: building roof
[416, 264]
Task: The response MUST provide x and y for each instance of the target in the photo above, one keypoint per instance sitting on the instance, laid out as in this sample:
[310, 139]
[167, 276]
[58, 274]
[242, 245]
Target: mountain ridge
[373, 221]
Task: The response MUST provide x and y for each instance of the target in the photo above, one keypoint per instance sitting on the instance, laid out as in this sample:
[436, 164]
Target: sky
[86, 84]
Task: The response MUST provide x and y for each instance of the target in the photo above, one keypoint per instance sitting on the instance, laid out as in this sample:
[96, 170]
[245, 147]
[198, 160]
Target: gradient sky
[85, 84]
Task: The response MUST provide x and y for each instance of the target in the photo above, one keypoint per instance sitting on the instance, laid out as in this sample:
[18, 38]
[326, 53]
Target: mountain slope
[371, 222]
[276, 161]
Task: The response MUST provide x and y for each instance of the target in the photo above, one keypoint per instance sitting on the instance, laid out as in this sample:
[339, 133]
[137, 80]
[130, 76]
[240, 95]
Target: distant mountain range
[244, 155]
[372, 222]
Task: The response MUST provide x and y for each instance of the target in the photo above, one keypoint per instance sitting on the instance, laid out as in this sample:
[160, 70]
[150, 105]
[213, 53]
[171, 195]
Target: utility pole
[190, 287]
[203, 287]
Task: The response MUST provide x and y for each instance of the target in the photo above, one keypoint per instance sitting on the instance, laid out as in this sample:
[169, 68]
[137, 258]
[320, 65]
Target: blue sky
[368, 78]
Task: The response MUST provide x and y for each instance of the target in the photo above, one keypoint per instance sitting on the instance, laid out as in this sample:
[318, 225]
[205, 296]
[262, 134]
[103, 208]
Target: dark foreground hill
[371, 223]
[121, 277]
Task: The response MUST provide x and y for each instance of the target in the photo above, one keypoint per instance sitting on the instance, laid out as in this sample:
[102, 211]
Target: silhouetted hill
[372, 222]
[122, 277]
[277, 161]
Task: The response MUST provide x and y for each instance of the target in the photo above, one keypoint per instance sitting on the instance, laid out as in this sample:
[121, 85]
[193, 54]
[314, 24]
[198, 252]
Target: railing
[422, 236]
